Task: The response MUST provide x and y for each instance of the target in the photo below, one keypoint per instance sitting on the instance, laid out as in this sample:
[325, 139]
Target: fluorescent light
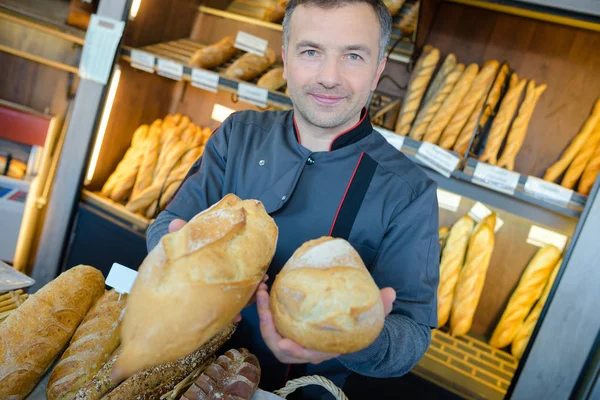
[135, 7]
[220, 113]
[110, 98]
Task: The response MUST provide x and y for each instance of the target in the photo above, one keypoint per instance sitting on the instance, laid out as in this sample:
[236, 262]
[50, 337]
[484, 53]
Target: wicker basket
[294, 384]
[10, 301]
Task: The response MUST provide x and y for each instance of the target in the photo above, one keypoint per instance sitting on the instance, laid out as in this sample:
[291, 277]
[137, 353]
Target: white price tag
[121, 278]
[548, 191]
[101, 41]
[437, 158]
[170, 69]
[393, 138]
[252, 94]
[541, 237]
[448, 201]
[250, 43]
[142, 60]
[496, 178]
[479, 212]
[205, 80]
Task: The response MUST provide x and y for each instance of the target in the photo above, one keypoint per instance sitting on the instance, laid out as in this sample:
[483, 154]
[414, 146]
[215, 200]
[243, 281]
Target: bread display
[453, 257]
[528, 291]
[276, 12]
[325, 299]
[250, 65]
[215, 54]
[518, 130]
[472, 276]
[233, 376]
[495, 93]
[272, 80]
[582, 159]
[150, 158]
[590, 173]
[417, 86]
[205, 272]
[35, 333]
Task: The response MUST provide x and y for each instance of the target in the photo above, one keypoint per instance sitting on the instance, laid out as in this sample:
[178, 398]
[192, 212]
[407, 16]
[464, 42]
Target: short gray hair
[383, 15]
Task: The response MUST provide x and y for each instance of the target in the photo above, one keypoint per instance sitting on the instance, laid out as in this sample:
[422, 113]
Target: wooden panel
[562, 57]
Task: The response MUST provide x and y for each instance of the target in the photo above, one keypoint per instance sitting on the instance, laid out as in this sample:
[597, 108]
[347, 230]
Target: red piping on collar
[297, 131]
[348, 130]
[346, 192]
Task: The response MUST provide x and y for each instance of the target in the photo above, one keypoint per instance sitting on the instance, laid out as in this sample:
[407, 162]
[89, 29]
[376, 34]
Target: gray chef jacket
[363, 190]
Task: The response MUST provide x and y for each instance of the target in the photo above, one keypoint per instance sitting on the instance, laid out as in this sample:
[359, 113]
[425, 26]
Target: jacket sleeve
[408, 261]
[201, 188]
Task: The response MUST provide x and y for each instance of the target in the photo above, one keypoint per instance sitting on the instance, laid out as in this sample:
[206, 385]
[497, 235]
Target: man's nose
[330, 73]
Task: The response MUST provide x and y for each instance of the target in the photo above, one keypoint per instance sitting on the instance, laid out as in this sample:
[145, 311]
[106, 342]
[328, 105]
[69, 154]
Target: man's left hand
[289, 352]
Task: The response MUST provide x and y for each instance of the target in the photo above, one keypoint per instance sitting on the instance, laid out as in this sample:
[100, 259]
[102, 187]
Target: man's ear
[380, 69]
[283, 58]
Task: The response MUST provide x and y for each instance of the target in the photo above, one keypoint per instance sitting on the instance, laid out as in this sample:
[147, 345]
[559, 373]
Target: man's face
[331, 62]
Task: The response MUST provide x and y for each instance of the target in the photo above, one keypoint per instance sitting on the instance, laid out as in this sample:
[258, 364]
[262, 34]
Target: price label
[205, 80]
[252, 94]
[496, 178]
[448, 201]
[436, 158]
[541, 237]
[101, 41]
[121, 278]
[479, 212]
[393, 138]
[142, 60]
[250, 43]
[548, 191]
[170, 69]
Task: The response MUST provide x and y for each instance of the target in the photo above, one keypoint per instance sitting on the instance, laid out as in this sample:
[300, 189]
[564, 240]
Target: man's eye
[354, 57]
[310, 53]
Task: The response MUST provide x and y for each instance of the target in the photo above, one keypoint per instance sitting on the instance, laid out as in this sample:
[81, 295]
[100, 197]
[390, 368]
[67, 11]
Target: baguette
[591, 172]
[472, 276]
[277, 12]
[215, 54]
[450, 105]
[93, 342]
[582, 159]
[518, 130]
[509, 105]
[249, 66]
[438, 80]
[576, 145]
[443, 236]
[146, 171]
[462, 142]
[528, 291]
[272, 80]
[35, 333]
[453, 257]
[101, 383]
[416, 89]
[494, 95]
[526, 330]
[481, 85]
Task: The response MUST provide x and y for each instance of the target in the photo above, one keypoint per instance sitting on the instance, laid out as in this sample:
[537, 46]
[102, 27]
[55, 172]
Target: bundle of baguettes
[582, 156]
[36, 332]
[206, 272]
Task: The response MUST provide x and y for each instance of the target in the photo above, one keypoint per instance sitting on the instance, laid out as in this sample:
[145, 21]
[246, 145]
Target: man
[320, 170]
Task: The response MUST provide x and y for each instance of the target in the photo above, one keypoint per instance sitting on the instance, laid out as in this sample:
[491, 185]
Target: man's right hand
[176, 225]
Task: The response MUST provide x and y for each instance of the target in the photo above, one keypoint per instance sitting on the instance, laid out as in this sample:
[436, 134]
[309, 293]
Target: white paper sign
[142, 60]
[448, 201]
[205, 80]
[121, 278]
[262, 395]
[393, 138]
[541, 237]
[496, 178]
[252, 94]
[437, 158]
[548, 191]
[479, 212]
[101, 41]
[250, 43]
[170, 69]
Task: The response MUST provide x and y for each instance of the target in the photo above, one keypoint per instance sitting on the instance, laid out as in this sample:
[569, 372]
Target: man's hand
[176, 225]
[289, 352]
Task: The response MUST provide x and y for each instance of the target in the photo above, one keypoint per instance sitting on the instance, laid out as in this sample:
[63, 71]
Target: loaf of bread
[518, 130]
[393, 6]
[250, 65]
[432, 105]
[35, 333]
[472, 276]
[215, 54]
[453, 257]
[206, 272]
[590, 173]
[495, 93]
[416, 89]
[526, 330]
[443, 236]
[408, 22]
[480, 87]
[501, 123]
[93, 342]
[439, 78]
[276, 12]
[325, 299]
[101, 383]
[272, 80]
[576, 145]
[450, 105]
[146, 171]
[233, 376]
[528, 291]
[582, 159]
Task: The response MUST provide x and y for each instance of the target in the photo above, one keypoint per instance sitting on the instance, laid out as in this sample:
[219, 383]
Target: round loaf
[325, 299]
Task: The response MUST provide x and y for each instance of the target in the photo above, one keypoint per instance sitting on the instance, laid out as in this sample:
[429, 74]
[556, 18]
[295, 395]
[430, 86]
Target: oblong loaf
[36, 332]
[215, 54]
[93, 342]
[272, 80]
[250, 65]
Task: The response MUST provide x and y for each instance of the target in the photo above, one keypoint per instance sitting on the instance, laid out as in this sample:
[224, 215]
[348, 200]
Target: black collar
[359, 131]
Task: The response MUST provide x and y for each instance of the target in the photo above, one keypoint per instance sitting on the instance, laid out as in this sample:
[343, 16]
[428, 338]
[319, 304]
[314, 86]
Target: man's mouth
[326, 99]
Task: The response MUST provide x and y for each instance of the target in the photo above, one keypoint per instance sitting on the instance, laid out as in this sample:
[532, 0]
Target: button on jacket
[363, 189]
